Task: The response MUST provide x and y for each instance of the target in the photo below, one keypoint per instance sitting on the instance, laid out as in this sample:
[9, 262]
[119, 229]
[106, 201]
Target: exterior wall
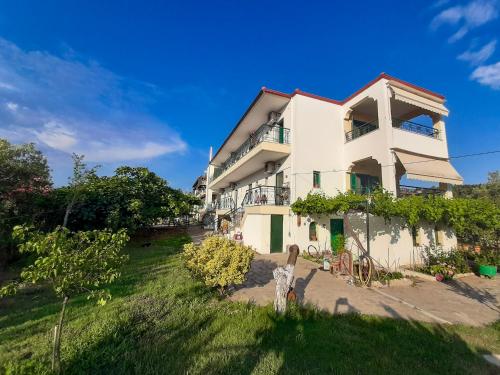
[317, 145]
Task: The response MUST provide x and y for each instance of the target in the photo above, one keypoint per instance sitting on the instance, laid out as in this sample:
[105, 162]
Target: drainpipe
[368, 226]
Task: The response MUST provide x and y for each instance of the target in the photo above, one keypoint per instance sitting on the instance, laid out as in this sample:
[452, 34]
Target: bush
[446, 263]
[218, 261]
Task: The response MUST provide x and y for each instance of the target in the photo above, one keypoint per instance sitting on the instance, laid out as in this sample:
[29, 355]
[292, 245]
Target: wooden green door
[281, 134]
[336, 234]
[276, 233]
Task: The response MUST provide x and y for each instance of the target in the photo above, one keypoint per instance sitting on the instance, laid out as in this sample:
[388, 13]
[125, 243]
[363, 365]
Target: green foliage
[24, 180]
[446, 263]
[490, 190]
[72, 263]
[218, 261]
[132, 198]
[475, 220]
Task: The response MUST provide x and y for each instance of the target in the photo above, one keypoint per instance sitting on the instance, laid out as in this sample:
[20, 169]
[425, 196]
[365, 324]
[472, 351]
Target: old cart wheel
[365, 269]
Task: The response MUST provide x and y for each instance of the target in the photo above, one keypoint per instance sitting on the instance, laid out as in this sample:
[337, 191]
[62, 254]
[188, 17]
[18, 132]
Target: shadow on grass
[34, 304]
[305, 341]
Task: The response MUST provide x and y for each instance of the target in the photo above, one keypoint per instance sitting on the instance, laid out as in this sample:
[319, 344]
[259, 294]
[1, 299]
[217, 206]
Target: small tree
[72, 264]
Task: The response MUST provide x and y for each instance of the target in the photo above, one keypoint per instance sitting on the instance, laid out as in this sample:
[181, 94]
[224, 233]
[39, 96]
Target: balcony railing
[225, 203]
[406, 190]
[267, 195]
[413, 127]
[266, 133]
[360, 130]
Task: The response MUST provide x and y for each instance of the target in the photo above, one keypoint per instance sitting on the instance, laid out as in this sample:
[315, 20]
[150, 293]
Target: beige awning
[428, 168]
[419, 101]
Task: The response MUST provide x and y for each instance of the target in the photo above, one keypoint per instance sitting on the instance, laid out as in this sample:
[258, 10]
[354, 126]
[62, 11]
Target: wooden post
[284, 279]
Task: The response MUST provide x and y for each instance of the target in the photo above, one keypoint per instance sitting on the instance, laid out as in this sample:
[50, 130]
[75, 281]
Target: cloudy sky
[142, 83]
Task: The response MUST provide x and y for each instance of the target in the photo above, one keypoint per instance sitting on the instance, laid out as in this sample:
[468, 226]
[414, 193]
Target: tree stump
[284, 280]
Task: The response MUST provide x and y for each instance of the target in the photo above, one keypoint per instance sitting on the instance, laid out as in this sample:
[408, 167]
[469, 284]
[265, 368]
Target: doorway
[336, 235]
[276, 233]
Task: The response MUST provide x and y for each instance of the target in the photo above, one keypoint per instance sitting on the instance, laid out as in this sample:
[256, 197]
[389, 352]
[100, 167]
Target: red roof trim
[314, 96]
[279, 93]
[371, 83]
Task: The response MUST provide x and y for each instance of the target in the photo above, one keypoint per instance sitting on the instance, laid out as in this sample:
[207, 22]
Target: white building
[287, 145]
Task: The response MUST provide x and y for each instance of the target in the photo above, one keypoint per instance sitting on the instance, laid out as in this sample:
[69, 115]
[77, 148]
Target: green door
[276, 233]
[336, 234]
[281, 134]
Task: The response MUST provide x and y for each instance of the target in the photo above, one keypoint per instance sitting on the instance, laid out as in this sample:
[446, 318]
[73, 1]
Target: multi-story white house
[288, 145]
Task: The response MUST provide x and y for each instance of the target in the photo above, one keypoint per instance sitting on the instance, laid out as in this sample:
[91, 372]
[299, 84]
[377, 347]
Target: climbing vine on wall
[473, 220]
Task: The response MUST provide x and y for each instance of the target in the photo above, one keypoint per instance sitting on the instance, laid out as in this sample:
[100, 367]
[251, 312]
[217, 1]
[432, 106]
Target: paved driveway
[470, 300]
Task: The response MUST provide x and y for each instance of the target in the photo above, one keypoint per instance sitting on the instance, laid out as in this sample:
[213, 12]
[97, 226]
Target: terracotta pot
[477, 249]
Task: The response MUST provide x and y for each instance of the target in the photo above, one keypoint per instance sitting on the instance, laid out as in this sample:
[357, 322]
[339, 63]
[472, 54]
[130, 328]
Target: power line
[413, 162]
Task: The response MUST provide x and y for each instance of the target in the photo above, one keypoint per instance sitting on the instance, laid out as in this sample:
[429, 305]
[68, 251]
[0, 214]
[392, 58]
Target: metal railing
[406, 190]
[266, 133]
[267, 195]
[413, 127]
[360, 130]
[225, 203]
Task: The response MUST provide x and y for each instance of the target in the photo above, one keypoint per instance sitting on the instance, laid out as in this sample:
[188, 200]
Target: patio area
[470, 300]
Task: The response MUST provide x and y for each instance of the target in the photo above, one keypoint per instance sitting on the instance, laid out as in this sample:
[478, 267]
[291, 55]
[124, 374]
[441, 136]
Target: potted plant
[487, 264]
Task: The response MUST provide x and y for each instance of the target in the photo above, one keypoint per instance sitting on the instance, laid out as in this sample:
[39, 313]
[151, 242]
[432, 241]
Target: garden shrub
[218, 261]
[446, 263]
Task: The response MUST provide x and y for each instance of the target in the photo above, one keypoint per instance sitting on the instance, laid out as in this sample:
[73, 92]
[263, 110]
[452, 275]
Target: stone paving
[470, 300]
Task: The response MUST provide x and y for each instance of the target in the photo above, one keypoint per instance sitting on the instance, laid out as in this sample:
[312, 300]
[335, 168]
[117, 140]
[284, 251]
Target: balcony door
[278, 193]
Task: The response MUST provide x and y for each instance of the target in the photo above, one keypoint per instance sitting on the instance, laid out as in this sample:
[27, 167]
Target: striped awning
[428, 168]
[419, 101]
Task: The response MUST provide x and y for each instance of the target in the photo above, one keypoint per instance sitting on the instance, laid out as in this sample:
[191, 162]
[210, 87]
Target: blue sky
[156, 83]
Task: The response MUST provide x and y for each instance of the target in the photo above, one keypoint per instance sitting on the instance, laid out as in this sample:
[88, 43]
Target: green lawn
[161, 321]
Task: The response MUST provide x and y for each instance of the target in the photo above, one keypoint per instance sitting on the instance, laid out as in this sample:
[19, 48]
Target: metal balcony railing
[413, 127]
[225, 203]
[266, 133]
[360, 130]
[267, 195]
[406, 190]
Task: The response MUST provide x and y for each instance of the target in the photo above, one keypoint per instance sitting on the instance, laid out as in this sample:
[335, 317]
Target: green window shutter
[316, 179]
[353, 182]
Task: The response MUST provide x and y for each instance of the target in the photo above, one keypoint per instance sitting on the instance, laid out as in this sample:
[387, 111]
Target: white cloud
[476, 13]
[488, 75]
[12, 106]
[69, 105]
[479, 56]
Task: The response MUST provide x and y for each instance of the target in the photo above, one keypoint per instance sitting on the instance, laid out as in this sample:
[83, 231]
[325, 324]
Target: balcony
[268, 143]
[413, 127]
[267, 195]
[406, 190]
[360, 129]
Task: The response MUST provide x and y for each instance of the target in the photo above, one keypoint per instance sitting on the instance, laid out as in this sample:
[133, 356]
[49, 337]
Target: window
[316, 179]
[438, 234]
[415, 236]
[312, 232]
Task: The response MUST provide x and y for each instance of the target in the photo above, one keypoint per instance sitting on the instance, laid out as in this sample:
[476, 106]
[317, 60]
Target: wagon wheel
[365, 269]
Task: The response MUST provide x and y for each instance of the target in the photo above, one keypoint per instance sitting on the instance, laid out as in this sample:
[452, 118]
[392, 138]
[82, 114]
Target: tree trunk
[348, 229]
[68, 211]
[284, 280]
[56, 353]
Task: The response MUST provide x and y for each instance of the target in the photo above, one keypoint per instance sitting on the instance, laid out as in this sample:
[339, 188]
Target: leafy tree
[489, 190]
[72, 264]
[132, 198]
[24, 179]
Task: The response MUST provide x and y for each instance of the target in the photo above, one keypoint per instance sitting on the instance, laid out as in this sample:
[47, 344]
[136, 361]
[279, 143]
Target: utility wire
[413, 162]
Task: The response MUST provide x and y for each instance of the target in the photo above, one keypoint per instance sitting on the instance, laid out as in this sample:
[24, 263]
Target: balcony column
[446, 189]
[438, 123]
[388, 160]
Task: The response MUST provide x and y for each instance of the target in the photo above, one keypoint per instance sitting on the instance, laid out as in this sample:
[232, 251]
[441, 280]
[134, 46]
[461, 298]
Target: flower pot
[487, 270]
[477, 249]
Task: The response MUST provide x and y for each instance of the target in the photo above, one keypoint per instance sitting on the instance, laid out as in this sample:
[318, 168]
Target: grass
[160, 321]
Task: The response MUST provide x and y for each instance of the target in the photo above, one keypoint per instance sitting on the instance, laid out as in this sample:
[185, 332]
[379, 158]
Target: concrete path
[470, 300]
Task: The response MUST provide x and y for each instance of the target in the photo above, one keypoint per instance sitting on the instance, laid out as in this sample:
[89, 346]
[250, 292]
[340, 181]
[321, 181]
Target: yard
[161, 321]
